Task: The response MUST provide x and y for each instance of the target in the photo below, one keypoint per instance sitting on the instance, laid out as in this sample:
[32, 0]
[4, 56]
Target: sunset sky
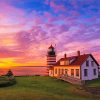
[29, 27]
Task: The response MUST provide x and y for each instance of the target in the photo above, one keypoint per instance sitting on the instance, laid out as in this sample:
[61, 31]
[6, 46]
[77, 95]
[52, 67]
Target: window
[67, 62]
[85, 72]
[62, 71]
[66, 71]
[59, 71]
[56, 71]
[92, 63]
[94, 71]
[77, 72]
[87, 63]
[51, 72]
[72, 72]
[62, 62]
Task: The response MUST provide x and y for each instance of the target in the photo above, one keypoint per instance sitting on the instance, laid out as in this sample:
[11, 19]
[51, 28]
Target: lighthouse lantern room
[51, 56]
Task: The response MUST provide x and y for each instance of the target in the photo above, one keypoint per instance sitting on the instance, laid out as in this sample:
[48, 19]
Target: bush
[5, 81]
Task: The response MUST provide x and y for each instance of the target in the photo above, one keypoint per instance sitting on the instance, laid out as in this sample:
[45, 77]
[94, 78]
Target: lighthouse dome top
[51, 47]
[51, 51]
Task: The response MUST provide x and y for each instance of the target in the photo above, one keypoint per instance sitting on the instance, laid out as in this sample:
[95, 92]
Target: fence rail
[71, 80]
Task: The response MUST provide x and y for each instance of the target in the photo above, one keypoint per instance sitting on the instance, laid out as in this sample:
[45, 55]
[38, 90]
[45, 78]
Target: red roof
[77, 60]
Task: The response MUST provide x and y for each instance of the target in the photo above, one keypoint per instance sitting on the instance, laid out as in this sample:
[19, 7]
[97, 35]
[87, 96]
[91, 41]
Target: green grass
[94, 83]
[44, 88]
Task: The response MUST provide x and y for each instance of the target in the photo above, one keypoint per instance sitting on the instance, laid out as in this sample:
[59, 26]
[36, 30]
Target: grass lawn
[94, 83]
[44, 88]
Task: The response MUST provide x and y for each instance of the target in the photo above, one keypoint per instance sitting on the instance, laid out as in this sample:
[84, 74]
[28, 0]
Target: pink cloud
[57, 8]
[97, 56]
[34, 33]
[7, 53]
[7, 13]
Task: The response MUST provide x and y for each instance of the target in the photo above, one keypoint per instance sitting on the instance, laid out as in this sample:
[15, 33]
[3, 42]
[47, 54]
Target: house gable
[88, 67]
[93, 59]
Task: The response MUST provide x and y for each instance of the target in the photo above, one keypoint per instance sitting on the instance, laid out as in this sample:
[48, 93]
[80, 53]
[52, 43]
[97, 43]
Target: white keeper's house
[80, 66]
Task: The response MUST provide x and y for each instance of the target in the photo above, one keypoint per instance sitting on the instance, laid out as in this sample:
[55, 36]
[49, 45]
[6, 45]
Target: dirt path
[93, 90]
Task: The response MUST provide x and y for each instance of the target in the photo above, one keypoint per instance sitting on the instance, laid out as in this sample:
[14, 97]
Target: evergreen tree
[9, 73]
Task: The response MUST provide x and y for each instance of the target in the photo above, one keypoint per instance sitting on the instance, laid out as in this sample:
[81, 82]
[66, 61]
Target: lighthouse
[51, 56]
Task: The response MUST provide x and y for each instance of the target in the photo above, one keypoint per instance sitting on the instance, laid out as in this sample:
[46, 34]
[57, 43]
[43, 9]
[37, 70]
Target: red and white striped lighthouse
[51, 56]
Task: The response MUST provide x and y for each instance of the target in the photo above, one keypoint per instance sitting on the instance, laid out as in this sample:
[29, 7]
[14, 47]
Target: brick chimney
[78, 53]
[65, 56]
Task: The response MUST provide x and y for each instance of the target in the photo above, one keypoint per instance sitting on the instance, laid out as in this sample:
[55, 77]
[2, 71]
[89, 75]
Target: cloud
[7, 53]
[25, 35]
